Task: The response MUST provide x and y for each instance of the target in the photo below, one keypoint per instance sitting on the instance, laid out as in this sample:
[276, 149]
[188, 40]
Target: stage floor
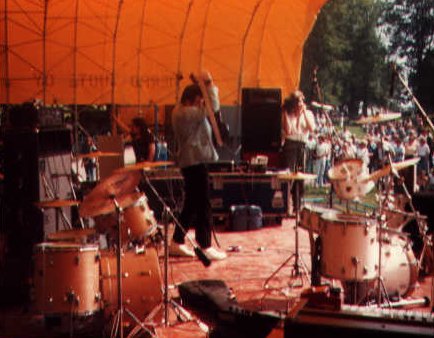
[244, 271]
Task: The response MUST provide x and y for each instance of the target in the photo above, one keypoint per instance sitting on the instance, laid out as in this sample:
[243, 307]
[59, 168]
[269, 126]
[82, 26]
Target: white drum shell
[349, 248]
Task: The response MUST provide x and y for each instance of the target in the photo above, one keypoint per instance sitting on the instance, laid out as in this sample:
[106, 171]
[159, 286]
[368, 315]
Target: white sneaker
[214, 255]
[180, 250]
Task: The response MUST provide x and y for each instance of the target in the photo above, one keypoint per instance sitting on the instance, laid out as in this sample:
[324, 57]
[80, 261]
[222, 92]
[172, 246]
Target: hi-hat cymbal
[96, 154]
[100, 199]
[376, 175]
[379, 118]
[144, 165]
[297, 176]
[56, 203]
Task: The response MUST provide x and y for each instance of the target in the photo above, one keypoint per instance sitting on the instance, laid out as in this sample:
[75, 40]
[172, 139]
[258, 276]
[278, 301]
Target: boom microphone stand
[181, 313]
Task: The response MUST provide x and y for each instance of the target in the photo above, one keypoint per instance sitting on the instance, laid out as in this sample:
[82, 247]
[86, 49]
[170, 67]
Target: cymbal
[321, 105]
[379, 118]
[102, 206]
[96, 154]
[144, 165]
[297, 176]
[100, 199]
[56, 203]
[396, 166]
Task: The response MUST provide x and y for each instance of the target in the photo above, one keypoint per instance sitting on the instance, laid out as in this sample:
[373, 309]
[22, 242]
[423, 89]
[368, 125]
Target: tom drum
[349, 247]
[66, 278]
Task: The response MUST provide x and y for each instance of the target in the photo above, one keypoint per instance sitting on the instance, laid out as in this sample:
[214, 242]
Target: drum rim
[65, 246]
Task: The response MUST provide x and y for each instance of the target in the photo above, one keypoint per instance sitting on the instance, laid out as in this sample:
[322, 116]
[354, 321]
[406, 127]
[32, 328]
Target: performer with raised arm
[195, 148]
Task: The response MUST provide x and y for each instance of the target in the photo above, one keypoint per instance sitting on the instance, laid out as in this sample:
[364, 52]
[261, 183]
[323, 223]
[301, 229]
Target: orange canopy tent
[131, 52]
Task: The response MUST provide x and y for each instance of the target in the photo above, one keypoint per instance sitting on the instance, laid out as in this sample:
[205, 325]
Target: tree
[344, 44]
[409, 26]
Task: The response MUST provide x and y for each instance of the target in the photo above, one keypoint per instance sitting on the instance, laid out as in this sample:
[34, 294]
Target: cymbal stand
[117, 328]
[181, 313]
[300, 269]
[381, 289]
[59, 211]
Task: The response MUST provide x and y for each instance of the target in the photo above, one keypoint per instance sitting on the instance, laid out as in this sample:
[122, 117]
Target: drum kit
[373, 261]
[74, 277]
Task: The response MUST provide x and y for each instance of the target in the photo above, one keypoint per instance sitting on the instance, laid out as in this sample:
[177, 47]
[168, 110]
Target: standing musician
[297, 123]
[195, 148]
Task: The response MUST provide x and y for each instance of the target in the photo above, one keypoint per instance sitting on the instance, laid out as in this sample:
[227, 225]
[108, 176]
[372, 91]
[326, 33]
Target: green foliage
[410, 27]
[344, 44]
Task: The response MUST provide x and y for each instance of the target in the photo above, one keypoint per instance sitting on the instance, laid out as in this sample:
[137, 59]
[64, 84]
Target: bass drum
[399, 272]
[141, 282]
[399, 267]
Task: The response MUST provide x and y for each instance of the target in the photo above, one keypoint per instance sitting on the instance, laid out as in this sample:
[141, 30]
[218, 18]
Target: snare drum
[66, 279]
[310, 217]
[349, 247]
[137, 220]
[141, 282]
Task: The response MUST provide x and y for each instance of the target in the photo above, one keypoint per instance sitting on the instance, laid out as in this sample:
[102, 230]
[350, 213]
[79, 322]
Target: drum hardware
[55, 203]
[299, 268]
[168, 302]
[118, 321]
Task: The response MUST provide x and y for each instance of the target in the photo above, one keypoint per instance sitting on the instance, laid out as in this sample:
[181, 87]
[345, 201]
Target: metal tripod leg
[299, 265]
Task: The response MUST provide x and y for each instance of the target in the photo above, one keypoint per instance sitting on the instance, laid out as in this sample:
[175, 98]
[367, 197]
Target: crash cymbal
[321, 105]
[376, 175]
[103, 206]
[297, 176]
[144, 165]
[379, 118]
[100, 199]
[56, 203]
[96, 154]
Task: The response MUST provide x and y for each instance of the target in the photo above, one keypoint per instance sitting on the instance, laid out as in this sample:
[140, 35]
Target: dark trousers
[294, 157]
[197, 206]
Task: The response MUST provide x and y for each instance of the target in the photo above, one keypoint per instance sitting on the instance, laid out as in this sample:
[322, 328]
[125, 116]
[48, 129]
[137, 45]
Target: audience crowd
[397, 140]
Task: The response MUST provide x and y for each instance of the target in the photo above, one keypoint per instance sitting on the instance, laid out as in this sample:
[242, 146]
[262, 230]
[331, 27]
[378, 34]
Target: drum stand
[169, 303]
[117, 328]
[300, 269]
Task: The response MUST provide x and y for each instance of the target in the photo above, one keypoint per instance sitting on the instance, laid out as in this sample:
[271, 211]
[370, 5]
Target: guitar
[220, 129]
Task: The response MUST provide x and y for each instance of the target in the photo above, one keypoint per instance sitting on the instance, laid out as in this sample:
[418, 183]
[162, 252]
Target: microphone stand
[181, 313]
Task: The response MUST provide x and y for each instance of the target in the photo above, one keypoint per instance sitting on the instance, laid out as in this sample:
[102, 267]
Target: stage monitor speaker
[261, 119]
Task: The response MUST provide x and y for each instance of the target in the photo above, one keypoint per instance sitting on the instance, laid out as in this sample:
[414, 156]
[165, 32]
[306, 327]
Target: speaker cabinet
[37, 167]
[261, 119]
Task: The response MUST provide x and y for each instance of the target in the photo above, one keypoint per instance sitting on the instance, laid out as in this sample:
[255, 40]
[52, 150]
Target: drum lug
[365, 269]
[77, 260]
